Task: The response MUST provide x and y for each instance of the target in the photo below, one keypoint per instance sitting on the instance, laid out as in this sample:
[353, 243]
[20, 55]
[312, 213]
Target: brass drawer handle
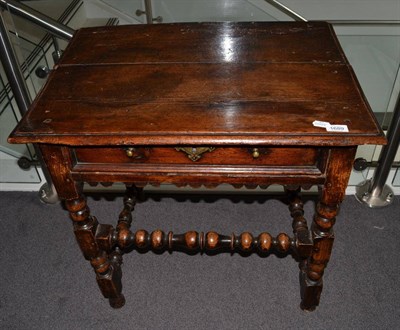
[130, 152]
[137, 153]
[255, 153]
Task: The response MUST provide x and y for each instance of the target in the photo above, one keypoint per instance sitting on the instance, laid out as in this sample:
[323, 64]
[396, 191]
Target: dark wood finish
[132, 92]
[193, 241]
[275, 156]
[201, 104]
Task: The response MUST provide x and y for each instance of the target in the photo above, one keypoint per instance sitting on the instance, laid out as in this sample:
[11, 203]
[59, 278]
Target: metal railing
[50, 25]
[16, 79]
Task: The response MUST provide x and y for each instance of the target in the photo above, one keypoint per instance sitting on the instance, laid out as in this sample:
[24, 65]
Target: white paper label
[329, 127]
[322, 124]
[337, 128]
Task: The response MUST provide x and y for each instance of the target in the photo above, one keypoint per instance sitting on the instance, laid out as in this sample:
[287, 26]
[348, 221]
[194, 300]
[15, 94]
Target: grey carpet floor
[46, 284]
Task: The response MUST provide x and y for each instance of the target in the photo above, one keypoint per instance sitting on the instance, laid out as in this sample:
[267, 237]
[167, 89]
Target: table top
[228, 83]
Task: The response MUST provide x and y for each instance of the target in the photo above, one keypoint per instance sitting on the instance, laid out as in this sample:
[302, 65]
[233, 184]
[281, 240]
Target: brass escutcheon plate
[195, 153]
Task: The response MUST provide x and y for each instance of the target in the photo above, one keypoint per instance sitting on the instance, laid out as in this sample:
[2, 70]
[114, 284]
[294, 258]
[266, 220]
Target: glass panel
[396, 179]
[195, 11]
[31, 56]
[209, 10]
[375, 60]
[10, 153]
[33, 48]
[133, 9]
[374, 53]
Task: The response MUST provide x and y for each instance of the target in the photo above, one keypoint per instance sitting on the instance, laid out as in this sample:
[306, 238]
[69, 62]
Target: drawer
[263, 156]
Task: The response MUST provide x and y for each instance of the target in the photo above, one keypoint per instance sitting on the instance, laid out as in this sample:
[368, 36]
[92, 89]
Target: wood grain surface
[209, 83]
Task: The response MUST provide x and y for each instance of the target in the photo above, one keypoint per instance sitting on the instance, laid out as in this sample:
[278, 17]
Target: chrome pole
[57, 51]
[286, 10]
[375, 192]
[16, 79]
[148, 11]
[45, 22]
[13, 71]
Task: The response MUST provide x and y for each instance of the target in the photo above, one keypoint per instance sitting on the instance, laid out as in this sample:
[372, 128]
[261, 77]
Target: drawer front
[271, 156]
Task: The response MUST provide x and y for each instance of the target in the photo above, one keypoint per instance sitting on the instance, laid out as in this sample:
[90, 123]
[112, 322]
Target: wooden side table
[248, 104]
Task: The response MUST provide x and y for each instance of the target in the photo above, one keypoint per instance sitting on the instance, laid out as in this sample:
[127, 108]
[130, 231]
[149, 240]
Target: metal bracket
[25, 163]
[48, 194]
[157, 19]
[360, 164]
[364, 194]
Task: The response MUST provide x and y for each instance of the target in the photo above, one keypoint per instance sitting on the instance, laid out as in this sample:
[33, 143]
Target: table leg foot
[110, 284]
[117, 302]
[310, 292]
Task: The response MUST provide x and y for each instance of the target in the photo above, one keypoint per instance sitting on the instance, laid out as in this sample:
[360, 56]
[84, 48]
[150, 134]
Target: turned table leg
[312, 270]
[107, 266]
[331, 195]
[103, 245]
[93, 238]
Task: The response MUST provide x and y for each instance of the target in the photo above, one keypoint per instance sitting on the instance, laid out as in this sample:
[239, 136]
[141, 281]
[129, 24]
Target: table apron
[170, 174]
